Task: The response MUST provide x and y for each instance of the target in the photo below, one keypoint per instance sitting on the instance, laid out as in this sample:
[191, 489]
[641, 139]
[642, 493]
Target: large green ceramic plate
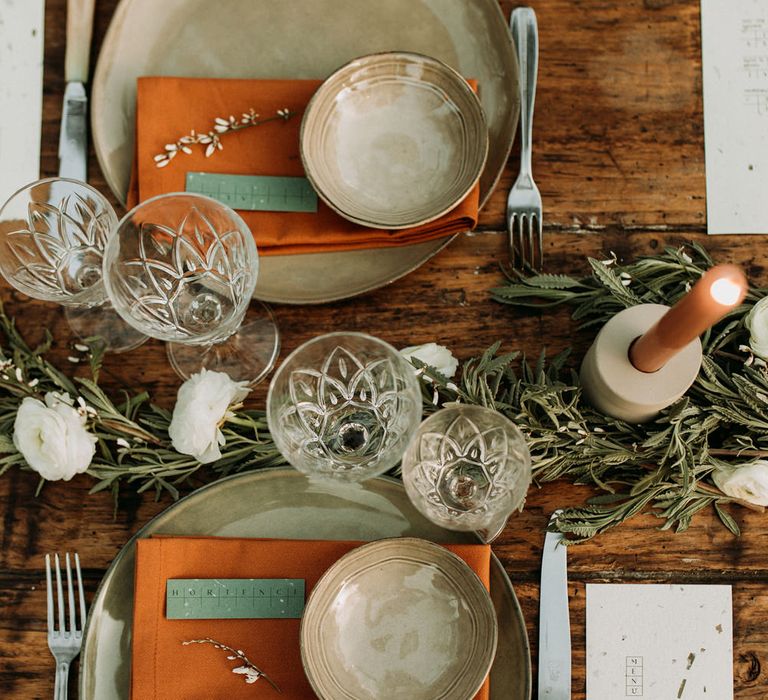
[283, 503]
[303, 39]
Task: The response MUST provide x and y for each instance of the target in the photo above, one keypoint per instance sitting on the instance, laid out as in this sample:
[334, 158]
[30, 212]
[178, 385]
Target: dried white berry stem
[250, 670]
[212, 139]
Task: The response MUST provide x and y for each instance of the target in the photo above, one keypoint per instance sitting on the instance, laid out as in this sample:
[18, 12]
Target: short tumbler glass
[467, 468]
[344, 405]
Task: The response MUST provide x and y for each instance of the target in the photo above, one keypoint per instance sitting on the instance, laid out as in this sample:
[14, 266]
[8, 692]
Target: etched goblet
[182, 268]
[344, 405]
[52, 238]
[467, 468]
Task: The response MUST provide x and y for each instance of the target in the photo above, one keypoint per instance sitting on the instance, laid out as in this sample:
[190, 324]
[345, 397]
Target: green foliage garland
[133, 444]
[664, 466]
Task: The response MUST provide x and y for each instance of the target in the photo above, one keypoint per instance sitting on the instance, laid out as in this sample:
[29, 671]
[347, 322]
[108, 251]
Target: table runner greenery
[665, 466]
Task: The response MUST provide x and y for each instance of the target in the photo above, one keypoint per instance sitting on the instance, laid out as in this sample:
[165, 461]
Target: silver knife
[73, 138]
[554, 621]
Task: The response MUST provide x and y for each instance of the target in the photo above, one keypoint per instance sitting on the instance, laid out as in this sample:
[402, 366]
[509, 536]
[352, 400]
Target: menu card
[734, 42]
[659, 642]
[21, 93]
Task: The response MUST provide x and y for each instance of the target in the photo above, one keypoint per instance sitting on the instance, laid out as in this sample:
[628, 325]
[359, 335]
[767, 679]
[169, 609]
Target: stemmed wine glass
[182, 268]
[467, 468]
[52, 238]
[344, 405]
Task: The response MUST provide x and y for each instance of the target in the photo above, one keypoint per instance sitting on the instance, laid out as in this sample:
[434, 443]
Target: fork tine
[59, 592]
[525, 235]
[80, 591]
[540, 239]
[530, 241]
[49, 590]
[520, 242]
[70, 596]
[512, 240]
[521, 239]
[514, 233]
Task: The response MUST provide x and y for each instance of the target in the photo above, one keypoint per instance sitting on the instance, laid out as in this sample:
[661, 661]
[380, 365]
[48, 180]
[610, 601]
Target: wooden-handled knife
[73, 138]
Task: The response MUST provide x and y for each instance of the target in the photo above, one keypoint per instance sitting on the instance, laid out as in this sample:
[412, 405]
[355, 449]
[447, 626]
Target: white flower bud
[748, 482]
[434, 355]
[52, 438]
[756, 322]
[202, 405]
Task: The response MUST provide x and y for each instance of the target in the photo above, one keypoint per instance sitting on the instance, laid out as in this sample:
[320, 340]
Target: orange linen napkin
[168, 108]
[164, 669]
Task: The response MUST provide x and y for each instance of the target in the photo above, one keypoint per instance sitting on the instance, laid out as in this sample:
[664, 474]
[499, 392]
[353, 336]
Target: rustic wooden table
[619, 157]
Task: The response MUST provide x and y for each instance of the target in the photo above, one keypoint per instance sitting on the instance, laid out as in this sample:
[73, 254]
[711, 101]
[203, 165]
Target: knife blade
[73, 137]
[554, 621]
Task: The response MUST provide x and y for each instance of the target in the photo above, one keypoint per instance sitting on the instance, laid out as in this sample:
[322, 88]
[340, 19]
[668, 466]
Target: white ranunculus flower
[52, 437]
[756, 322]
[748, 482]
[202, 405]
[434, 355]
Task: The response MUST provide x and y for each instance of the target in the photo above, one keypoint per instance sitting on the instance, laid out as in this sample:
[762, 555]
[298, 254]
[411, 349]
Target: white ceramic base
[103, 322]
[612, 384]
[248, 355]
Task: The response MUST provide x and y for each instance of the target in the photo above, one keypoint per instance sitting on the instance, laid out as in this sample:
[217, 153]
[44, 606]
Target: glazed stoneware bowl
[394, 140]
[398, 618]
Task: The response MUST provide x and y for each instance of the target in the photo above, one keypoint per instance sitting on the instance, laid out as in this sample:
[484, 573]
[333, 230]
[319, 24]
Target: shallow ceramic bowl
[398, 618]
[394, 140]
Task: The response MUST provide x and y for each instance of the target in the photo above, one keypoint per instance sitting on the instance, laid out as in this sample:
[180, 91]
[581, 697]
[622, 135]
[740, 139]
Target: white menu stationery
[659, 642]
[21, 92]
[734, 47]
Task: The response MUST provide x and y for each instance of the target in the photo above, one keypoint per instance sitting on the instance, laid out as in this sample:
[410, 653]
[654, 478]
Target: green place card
[233, 598]
[255, 192]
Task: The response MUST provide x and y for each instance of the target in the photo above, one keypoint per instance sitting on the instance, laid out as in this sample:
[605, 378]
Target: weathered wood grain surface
[620, 162]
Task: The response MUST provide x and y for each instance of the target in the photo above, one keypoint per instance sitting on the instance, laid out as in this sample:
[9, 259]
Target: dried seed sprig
[251, 672]
[212, 139]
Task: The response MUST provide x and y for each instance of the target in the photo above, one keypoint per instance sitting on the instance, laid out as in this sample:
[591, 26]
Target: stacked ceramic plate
[398, 618]
[394, 140]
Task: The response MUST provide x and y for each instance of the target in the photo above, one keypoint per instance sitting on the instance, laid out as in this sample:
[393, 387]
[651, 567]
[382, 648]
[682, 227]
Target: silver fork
[524, 202]
[64, 641]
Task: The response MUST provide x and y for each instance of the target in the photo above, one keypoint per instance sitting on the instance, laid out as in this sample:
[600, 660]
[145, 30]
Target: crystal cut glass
[53, 233]
[344, 405]
[467, 468]
[182, 268]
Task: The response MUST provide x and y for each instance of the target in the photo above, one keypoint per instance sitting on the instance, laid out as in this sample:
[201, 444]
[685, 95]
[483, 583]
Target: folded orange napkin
[168, 108]
[164, 669]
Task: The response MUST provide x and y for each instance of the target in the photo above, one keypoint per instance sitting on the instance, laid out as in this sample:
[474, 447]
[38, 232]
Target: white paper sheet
[659, 642]
[21, 92]
[735, 65]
